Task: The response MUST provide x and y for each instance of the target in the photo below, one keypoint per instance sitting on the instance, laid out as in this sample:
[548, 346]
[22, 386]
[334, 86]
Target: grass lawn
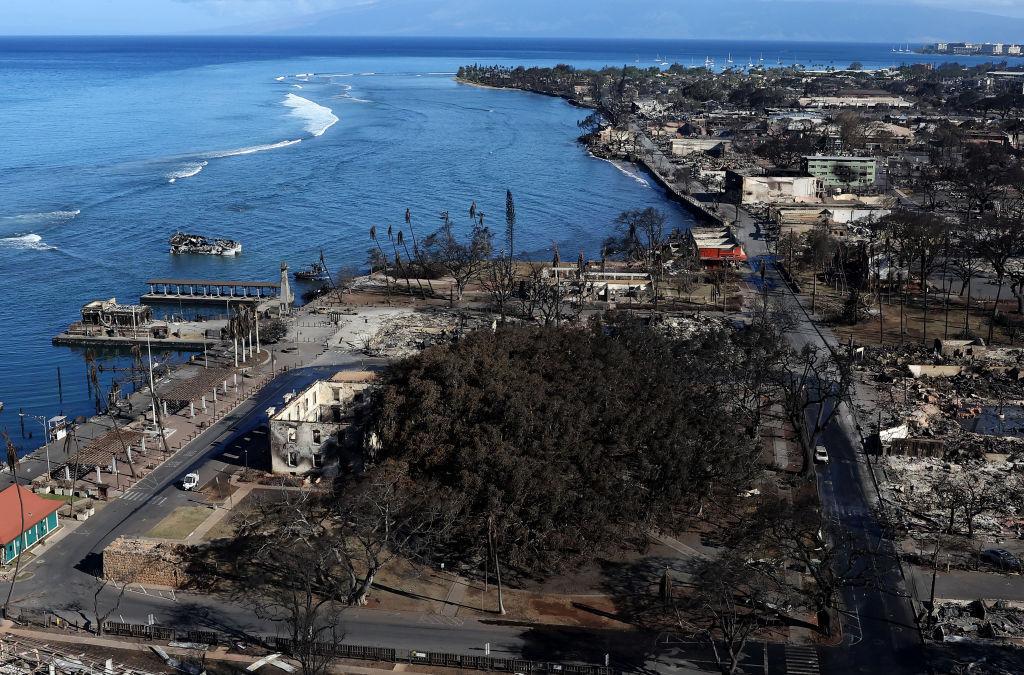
[181, 522]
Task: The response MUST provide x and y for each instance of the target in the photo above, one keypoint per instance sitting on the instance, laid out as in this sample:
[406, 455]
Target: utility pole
[814, 284]
[935, 570]
[46, 436]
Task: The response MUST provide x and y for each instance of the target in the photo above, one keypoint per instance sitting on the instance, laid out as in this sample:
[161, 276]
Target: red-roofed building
[716, 246]
[40, 520]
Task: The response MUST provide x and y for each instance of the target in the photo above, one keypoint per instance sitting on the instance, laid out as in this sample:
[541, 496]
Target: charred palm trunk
[12, 464]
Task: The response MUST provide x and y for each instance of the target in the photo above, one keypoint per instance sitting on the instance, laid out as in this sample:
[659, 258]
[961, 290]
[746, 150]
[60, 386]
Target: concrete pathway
[456, 594]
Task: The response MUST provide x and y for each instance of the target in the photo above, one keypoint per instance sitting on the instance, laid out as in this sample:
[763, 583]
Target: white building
[310, 428]
[681, 147]
[771, 189]
[854, 102]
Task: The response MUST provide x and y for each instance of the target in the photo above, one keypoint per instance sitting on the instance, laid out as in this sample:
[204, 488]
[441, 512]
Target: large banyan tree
[556, 444]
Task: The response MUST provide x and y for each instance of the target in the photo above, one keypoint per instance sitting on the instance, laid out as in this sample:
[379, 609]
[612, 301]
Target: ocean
[290, 145]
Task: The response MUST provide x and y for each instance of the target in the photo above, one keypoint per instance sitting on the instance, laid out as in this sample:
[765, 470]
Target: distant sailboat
[709, 62]
[728, 59]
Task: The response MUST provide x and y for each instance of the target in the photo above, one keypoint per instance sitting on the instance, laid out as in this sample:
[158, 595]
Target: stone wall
[137, 560]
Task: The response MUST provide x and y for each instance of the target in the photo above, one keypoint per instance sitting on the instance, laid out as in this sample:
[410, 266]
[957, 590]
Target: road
[63, 579]
[76, 558]
[880, 633]
[879, 628]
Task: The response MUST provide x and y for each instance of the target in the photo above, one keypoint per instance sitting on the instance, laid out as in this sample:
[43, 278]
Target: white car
[190, 481]
[821, 454]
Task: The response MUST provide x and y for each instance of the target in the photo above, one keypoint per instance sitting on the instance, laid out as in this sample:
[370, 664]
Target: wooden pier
[204, 291]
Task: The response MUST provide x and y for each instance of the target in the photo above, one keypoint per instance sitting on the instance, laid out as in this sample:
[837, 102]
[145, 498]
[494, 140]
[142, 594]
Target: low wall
[138, 560]
[692, 204]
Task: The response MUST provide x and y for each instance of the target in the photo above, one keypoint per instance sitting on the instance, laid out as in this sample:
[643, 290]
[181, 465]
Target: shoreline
[574, 103]
[695, 207]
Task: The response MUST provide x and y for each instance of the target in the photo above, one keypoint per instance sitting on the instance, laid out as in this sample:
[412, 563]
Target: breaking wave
[48, 218]
[251, 149]
[318, 118]
[187, 171]
[32, 242]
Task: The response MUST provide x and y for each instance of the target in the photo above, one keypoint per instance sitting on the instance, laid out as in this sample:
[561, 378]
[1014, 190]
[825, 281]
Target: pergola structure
[205, 290]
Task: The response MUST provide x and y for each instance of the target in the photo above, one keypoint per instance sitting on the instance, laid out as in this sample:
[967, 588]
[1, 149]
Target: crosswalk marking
[135, 495]
[802, 660]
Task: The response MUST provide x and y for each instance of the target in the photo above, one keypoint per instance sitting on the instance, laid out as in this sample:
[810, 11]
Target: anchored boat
[316, 271]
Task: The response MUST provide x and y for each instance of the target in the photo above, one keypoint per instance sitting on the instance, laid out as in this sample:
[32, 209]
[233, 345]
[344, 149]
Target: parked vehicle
[821, 454]
[1003, 559]
[190, 482]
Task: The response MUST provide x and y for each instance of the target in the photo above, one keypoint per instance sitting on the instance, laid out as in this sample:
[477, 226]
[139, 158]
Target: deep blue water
[107, 145]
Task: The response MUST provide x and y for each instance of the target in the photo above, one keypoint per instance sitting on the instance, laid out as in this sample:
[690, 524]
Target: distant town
[974, 49]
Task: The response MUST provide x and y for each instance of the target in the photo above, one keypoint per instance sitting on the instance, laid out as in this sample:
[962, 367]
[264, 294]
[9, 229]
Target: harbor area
[108, 323]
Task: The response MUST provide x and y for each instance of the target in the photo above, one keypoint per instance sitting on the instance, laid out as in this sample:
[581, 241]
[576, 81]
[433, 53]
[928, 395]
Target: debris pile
[969, 396]
[686, 328]
[978, 620]
[926, 489]
[405, 335]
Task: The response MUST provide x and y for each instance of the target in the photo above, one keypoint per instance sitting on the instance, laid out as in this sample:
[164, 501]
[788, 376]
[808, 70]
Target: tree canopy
[564, 442]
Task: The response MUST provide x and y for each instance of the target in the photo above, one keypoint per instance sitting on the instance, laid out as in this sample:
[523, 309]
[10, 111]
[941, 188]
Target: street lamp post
[46, 436]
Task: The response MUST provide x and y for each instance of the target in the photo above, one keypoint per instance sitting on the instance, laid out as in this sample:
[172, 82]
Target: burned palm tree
[398, 259]
[408, 257]
[417, 251]
[383, 260]
[12, 465]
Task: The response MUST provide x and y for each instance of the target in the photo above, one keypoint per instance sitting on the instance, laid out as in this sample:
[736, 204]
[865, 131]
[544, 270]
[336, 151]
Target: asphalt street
[879, 630]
